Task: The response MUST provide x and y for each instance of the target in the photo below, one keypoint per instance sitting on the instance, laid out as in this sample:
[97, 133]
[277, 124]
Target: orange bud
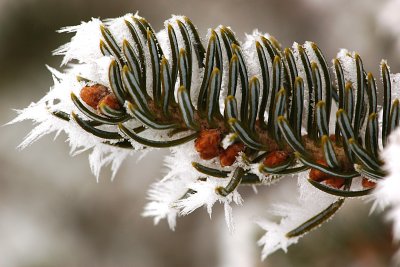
[207, 143]
[276, 158]
[367, 183]
[228, 156]
[110, 101]
[91, 95]
[335, 182]
[332, 137]
[318, 175]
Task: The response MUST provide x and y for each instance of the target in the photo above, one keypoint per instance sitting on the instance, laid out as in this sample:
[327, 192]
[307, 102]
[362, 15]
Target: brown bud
[318, 175]
[367, 183]
[335, 182]
[276, 158]
[207, 143]
[110, 101]
[228, 156]
[332, 137]
[91, 95]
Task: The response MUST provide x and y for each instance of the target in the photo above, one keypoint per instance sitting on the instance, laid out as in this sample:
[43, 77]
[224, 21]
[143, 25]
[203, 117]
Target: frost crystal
[387, 191]
[292, 216]
[79, 140]
[395, 81]
[349, 66]
[183, 189]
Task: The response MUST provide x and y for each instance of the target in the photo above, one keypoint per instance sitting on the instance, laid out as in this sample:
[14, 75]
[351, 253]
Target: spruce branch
[263, 111]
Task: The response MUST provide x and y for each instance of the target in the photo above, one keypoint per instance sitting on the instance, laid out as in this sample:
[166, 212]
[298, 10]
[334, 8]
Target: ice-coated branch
[232, 114]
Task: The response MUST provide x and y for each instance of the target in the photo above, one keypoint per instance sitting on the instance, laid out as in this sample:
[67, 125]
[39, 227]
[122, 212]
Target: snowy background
[52, 211]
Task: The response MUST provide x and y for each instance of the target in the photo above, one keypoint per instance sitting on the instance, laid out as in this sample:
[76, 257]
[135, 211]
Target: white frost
[395, 82]
[348, 62]
[58, 99]
[183, 189]
[387, 191]
[311, 201]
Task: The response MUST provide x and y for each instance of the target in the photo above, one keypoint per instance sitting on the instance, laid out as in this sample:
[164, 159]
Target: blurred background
[52, 211]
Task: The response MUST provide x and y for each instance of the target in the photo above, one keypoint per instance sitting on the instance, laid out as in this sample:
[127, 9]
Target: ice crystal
[292, 216]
